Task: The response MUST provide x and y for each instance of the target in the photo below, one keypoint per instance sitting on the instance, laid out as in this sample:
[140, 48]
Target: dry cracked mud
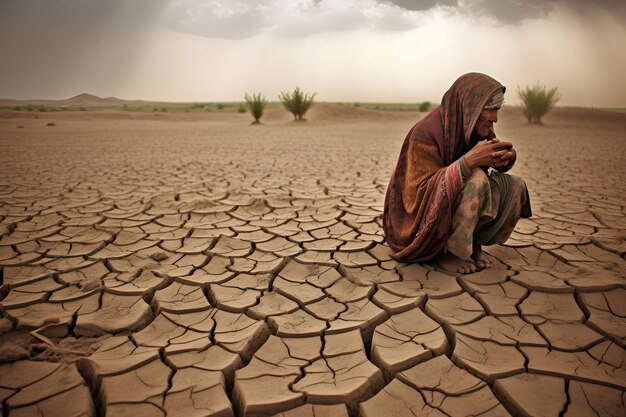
[181, 266]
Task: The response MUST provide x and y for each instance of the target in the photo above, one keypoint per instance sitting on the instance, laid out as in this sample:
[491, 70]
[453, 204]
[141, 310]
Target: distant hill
[91, 100]
[81, 100]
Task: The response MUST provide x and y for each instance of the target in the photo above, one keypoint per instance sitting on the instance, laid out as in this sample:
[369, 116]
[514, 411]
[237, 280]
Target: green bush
[42, 108]
[357, 104]
[220, 106]
[298, 103]
[256, 104]
[241, 109]
[424, 106]
[537, 101]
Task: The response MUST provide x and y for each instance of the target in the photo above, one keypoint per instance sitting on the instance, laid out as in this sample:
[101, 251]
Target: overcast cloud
[239, 19]
[346, 50]
[61, 20]
[513, 11]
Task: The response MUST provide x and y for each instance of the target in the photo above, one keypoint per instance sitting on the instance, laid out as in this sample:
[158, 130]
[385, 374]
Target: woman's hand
[507, 157]
[490, 153]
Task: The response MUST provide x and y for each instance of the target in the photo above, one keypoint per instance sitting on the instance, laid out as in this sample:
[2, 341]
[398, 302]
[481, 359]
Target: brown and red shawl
[426, 181]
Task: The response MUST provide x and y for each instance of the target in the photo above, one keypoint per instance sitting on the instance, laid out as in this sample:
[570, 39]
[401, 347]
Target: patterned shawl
[426, 182]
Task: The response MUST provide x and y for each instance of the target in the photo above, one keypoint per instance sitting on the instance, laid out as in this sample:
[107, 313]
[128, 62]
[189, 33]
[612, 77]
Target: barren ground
[190, 264]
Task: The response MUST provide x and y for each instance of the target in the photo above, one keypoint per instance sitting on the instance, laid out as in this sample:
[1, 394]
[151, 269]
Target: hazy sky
[345, 50]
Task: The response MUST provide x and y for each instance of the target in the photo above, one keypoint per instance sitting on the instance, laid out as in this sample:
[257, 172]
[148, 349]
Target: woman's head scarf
[460, 107]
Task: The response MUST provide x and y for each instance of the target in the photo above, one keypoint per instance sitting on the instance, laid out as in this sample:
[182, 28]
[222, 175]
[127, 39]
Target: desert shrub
[537, 101]
[220, 106]
[42, 108]
[256, 104]
[197, 106]
[424, 106]
[20, 126]
[241, 109]
[29, 107]
[51, 124]
[297, 102]
[17, 108]
[163, 109]
[83, 109]
[357, 104]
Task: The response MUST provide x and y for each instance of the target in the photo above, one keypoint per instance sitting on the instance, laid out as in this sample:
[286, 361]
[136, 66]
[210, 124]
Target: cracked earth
[188, 265]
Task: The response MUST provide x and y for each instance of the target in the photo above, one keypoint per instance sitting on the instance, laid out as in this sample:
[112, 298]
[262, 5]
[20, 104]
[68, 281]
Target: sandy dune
[192, 264]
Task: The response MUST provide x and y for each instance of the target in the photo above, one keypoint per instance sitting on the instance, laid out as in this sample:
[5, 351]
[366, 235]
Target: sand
[193, 264]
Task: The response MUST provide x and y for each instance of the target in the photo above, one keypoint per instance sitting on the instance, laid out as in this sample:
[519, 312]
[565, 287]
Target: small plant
[424, 106]
[155, 109]
[51, 124]
[197, 106]
[357, 104]
[29, 107]
[220, 106]
[256, 104]
[537, 101]
[241, 109]
[17, 108]
[42, 108]
[163, 109]
[20, 126]
[298, 103]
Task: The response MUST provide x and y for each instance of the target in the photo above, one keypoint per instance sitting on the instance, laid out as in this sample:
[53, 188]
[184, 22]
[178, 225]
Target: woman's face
[485, 122]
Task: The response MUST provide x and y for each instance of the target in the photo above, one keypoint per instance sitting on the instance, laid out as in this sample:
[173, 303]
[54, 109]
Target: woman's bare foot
[454, 264]
[483, 260]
